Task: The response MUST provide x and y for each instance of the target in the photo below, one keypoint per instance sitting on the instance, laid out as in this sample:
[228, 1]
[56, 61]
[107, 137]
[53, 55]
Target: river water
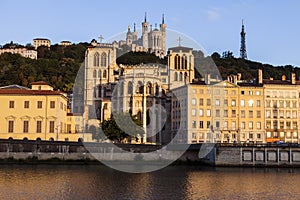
[174, 182]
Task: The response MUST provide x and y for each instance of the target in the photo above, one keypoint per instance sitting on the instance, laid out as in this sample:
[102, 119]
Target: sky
[272, 27]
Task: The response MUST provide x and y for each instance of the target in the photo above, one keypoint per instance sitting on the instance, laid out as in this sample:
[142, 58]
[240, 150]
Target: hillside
[59, 65]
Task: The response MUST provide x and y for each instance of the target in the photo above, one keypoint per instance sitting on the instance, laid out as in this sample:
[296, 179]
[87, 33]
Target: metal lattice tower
[243, 52]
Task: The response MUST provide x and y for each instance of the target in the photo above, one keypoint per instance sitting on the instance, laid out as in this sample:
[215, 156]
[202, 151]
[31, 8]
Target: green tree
[129, 124]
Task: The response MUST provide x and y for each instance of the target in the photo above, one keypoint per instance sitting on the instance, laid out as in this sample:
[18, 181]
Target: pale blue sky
[272, 28]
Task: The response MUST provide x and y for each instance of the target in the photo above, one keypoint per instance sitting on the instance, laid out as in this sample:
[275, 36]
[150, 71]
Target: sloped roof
[14, 87]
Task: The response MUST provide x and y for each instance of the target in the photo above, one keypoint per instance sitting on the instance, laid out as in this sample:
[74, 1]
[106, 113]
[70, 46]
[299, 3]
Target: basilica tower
[145, 26]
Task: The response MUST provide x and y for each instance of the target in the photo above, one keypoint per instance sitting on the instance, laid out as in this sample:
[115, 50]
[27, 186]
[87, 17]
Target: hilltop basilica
[152, 41]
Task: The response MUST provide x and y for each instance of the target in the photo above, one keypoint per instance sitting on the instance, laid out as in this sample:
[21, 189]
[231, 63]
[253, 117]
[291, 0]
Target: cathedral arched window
[180, 76]
[149, 88]
[96, 59]
[130, 88]
[176, 62]
[95, 74]
[184, 62]
[103, 59]
[104, 74]
[99, 74]
[175, 76]
[140, 88]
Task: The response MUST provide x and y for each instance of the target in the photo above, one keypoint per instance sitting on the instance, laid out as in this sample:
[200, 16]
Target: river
[173, 182]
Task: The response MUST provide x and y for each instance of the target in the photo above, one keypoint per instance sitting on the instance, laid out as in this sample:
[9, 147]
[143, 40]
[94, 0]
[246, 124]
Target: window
[288, 104]
[217, 124]
[258, 125]
[243, 102]
[288, 125]
[294, 114]
[233, 102]
[281, 125]
[194, 91]
[201, 91]
[201, 112]
[250, 125]
[193, 112]
[268, 114]
[38, 126]
[268, 103]
[233, 125]
[194, 101]
[250, 92]
[51, 127]
[258, 103]
[258, 136]
[250, 113]
[225, 113]
[11, 104]
[61, 105]
[52, 104]
[250, 103]
[201, 102]
[225, 125]
[243, 114]
[25, 126]
[243, 125]
[281, 104]
[251, 135]
[103, 59]
[294, 104]
[104, 74]
[10, 126]
[217, 113]
[268, 134]
[96, 59]
[258, 114]
[257, 93]
[69, 128]
[193, 124]
[39, 104]
[208, 113]
[225, 102]
[208, 102]
[268, 124]
[26, 104]
[208, 124]
[233, 113]
[217, 102]
[242, 92]
[201, 124]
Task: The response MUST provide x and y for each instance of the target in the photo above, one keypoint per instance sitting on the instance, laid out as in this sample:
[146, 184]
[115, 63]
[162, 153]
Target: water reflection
[174, 182]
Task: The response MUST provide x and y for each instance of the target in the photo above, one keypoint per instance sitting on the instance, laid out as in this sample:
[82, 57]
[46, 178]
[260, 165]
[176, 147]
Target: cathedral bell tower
[145, 26]
[163, 28]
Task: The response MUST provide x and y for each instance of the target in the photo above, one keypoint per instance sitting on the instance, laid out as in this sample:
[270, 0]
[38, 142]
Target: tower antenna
[243, 52]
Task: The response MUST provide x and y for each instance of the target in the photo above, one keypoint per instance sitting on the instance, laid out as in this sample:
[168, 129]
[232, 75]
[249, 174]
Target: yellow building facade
[37, 113]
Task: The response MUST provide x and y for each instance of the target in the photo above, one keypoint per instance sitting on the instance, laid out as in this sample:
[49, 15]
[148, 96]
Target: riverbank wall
[236, 155]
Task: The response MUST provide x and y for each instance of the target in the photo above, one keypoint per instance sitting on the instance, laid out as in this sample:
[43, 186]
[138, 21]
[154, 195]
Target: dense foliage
[130, 125]
[59, 65]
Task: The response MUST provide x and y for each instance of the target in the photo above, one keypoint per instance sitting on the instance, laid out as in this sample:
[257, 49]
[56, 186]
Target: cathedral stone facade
[142, 90]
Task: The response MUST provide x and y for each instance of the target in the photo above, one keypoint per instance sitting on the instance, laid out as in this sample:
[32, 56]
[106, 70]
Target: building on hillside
[37, 113]
[37, 42]
[65, 43]
[152, 41]
[27, 53]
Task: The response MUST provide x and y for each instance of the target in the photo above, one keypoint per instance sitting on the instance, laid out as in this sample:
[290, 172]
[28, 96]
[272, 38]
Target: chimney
[239, 76]
[293, 78]
[259, 77]
[283, 78]
[235, 78]
[207, 79]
